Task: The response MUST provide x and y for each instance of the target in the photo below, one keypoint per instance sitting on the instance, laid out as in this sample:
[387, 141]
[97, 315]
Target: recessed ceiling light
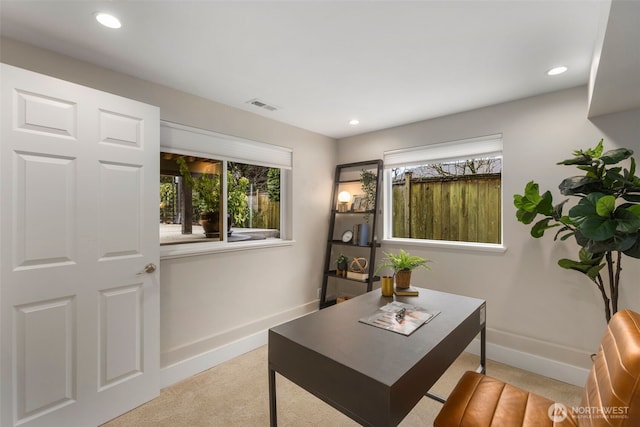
[354, 122]
[108, 20]
[557, 70]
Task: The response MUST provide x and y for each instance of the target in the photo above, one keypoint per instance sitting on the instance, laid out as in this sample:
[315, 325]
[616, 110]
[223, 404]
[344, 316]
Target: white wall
[533, 305]
[209, 301]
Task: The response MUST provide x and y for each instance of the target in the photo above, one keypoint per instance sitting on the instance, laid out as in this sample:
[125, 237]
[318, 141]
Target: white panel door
[79, 317]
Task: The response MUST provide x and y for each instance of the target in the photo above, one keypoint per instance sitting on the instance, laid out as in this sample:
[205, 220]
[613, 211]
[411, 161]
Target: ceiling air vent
[261, 104]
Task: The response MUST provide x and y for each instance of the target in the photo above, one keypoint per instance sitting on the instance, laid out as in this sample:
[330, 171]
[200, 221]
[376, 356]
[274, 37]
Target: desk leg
[272, 398]
[435, 397]
[482, 369]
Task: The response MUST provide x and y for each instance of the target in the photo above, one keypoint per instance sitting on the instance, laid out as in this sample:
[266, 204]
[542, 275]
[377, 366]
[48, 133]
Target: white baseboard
[533, 363]
[194, 365]
[190, 366]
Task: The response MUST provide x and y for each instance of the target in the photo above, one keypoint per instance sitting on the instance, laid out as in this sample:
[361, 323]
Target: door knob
[149, 268]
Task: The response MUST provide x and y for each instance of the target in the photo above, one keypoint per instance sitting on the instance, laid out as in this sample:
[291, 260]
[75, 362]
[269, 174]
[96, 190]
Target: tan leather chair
[611, 394]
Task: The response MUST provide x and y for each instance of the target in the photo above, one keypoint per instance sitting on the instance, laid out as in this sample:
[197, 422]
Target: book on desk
[411, 291]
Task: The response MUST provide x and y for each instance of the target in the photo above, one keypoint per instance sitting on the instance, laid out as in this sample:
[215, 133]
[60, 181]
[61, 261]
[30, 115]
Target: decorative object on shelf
[402, 265]
[361, 234]
[347, 236]
[368, 181]
[386, 286]
[358, 269]
[341, 265]
[605, 222]
[358, 264]
[344, 197]
[365, 203]
[364, 234]
[359, 203]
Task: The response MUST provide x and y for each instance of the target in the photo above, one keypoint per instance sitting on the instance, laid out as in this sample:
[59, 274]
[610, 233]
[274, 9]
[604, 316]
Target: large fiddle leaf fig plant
[605, 221]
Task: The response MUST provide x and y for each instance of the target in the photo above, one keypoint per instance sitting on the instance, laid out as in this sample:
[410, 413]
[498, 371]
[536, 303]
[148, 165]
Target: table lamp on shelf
[343, 201]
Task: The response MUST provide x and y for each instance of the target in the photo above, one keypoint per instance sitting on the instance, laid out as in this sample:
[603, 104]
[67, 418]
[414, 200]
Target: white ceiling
[323, 63]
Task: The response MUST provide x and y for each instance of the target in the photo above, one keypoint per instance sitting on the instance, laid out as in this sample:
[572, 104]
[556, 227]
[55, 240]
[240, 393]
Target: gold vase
[386, 286]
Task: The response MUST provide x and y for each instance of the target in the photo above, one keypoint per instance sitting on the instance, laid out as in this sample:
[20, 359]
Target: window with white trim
[218, 188]
[447, 192]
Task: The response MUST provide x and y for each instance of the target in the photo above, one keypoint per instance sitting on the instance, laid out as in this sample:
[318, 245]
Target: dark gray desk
[372, 375]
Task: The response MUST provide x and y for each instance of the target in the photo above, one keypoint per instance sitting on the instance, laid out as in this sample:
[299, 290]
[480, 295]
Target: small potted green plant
[402, 265]
[341, 265]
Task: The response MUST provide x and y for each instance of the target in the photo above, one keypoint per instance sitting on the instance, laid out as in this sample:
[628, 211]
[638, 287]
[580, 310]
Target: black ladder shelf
[346, 218]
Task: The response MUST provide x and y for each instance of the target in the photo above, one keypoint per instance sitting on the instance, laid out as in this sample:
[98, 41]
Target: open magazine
[399, 317]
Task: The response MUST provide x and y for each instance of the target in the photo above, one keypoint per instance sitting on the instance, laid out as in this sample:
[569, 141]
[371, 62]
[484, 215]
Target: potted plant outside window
[402, 265]
[208, 188]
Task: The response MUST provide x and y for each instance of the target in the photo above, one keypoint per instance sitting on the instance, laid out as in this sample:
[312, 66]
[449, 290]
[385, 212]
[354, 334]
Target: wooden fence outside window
[462, 208]
[266, 213]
